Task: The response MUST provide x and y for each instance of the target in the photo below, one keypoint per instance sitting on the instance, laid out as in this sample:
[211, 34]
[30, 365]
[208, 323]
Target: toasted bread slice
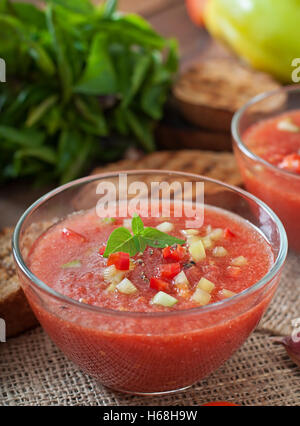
[210, 92]
[217, 165]
[14, 308]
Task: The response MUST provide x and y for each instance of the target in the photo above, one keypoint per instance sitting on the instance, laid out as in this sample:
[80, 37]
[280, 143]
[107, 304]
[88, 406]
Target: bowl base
[167, 392]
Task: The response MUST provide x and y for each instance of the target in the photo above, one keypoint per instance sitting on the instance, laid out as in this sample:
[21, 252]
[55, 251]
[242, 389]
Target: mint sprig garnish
[121, 239]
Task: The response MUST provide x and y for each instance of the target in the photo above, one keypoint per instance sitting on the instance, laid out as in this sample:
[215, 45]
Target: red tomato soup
[277, 141]
[133, 345]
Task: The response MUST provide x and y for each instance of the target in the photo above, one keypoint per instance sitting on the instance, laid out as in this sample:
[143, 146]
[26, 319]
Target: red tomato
[120, 260]
[73, 235]
[169, 270]
[228, 234]
[102, 250]
[196, 10]
[291, 162]
[220, 404]
[174, 253]
[158, 284]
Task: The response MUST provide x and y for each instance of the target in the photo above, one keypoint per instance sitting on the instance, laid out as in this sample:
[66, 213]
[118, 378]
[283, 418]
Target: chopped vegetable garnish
[126, 287]
[197, 251]
[102, 250]
[239, 261]
[192, 239]
[181, 278]
[73, 235]
[207, 242]
[228, 234]
[73, 264]
[112, 275]
[120, 260]
[111, 288]
[206, 285]
[291, 162]
[174, 253]
[220, 252]
[227, 293]
[165, 227]
[201, 297]
[158, 284]
[287, 125]
[216, 234]
[164, 299]
[169, 270]
[108, 220]
[190, 232]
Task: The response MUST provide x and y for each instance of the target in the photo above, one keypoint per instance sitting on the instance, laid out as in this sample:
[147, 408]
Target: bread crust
[14, 308]
[211, 91]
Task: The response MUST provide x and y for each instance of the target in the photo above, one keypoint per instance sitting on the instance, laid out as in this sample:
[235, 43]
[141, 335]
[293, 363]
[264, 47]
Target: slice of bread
[217, 165]
[211, 91]
[14, 308]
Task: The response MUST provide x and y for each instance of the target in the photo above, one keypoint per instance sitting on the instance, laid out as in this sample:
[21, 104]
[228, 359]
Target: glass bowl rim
[274, 270]
[238, 138]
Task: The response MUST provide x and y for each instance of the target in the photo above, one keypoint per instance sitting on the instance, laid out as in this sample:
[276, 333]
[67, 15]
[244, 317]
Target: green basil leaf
[29, 14]
[155, 238]
[37, 113]
[120, 240]
[139, 73]
[140, 127]
[99, 77]
[64, 69]
[96, 118]
[137, 225]
[25, 137]
[77, 6]
[109, 8]
[139, 243]
[44, 153]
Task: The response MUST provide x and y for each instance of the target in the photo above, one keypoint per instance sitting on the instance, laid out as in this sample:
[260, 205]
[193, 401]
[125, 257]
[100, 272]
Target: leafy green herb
[121, 239]
[83, 82]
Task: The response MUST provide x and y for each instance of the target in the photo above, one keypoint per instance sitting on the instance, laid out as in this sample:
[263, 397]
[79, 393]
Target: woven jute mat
[34, 372]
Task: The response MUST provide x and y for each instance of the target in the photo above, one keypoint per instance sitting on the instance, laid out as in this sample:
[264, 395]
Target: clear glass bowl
[147, 353]
[278, 188]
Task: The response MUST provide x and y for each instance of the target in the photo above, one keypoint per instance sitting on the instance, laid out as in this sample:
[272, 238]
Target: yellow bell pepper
[266, 33]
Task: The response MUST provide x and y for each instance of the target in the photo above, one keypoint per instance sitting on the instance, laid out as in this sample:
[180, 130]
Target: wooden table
[168, 17]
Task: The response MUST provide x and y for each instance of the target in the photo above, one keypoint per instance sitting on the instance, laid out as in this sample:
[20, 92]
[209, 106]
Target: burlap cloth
[34, 372]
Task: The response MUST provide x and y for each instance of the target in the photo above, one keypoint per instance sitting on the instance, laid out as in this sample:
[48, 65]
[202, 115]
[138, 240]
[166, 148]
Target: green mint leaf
[121, 240]
[139, 243]
[137, 225]
[155, 238]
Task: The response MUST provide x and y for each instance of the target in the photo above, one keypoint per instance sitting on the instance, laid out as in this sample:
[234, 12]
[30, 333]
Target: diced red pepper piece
[102, 250]
[158, 284]
[69, 233]
[291, 163]
[174, 252]
[228, 234]
[169, 270]
[120, 260]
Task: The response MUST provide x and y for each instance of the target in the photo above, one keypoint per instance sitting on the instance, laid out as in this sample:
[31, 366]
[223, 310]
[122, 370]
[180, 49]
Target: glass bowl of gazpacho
[266, 134]
[149, 290]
